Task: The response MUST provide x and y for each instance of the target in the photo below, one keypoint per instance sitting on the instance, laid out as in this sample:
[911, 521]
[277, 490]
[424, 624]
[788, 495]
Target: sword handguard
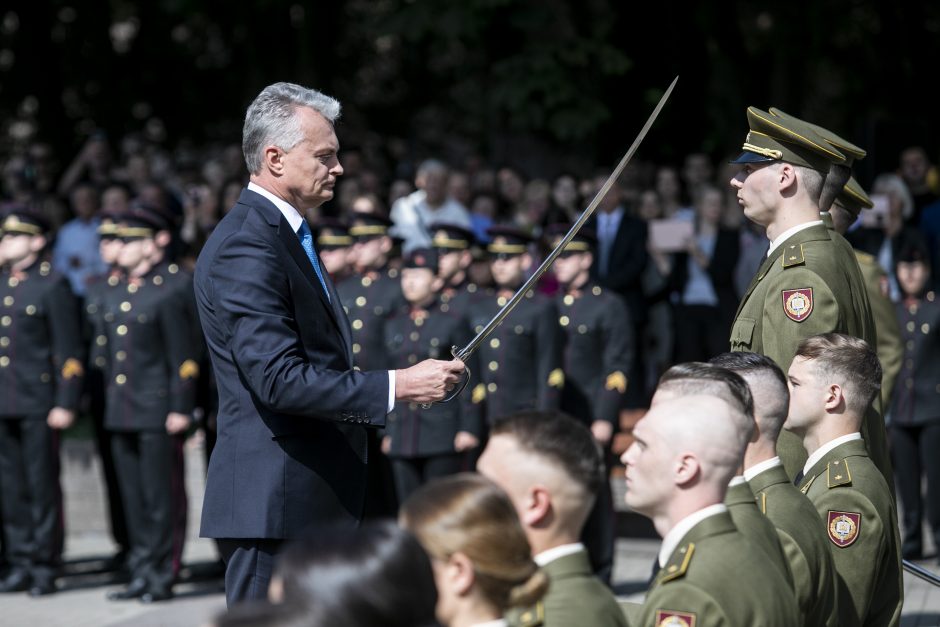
[460, 387]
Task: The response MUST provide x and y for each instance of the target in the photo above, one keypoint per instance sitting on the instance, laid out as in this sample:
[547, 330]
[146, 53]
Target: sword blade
[485, 332]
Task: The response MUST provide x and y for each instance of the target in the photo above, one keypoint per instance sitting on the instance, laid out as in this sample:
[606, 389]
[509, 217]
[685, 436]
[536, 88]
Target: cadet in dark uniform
[374, 291]
[833, 380]
[915, 411]
[598, 355]
[453, 245]
[41, 377]
[151, 374]
[521, 362]
[809, 282]
[334, 243]
[427, 443]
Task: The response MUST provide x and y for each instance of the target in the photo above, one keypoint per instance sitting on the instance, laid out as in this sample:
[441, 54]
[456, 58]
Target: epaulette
[837, 473]
[864, 257]
[793, 256]
[533, 617]
[678, 564]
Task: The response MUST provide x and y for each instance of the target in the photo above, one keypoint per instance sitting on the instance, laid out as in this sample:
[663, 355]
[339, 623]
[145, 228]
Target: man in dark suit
[291, 449]
[618, 266]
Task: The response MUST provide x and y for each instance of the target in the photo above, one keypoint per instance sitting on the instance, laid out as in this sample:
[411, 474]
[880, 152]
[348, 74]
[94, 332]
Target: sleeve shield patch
[843, 527]
[669, 618]
[798, 304]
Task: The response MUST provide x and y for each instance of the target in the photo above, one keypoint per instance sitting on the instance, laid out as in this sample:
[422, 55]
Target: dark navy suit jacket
[292, 419]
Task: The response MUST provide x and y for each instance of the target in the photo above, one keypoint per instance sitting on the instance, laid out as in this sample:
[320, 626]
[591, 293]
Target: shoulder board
[679, 563]
[533, 617]
[864, 257]
[837, 473]
[792, 256]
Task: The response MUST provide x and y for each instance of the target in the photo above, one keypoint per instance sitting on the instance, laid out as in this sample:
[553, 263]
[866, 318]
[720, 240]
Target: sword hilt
[461, 385]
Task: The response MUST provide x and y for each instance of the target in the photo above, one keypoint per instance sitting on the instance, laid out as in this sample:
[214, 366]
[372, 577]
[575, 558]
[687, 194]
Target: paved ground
[82, 602]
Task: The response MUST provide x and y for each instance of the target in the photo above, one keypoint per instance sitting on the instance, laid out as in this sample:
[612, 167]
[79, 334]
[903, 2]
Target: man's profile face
[134, 251]
[368, 252]
[417, 284]
[109, 248]
[807, 395]
[649, 466]
[15, 247]
[756, 187]
[312, 166]
[508, 271]
[449, 263]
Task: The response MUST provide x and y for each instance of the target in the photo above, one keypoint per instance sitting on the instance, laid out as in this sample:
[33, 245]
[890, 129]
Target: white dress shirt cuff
[391, 391]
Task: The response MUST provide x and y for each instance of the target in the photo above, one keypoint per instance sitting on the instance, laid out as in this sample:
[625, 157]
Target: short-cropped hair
[698, 377]
[561, 440]
[848, 361]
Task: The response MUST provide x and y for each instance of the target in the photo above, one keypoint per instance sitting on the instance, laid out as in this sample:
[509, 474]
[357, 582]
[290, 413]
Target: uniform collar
[557, 552]
[756, 469]
[790, 233]
[684, 526]
[826, 448]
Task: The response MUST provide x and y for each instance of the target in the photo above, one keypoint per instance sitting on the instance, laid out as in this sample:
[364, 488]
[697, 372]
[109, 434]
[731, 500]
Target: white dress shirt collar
[756, 469]
[790, 232]
[678, 531]
[557, 552]
[819, 453]
[294, 218]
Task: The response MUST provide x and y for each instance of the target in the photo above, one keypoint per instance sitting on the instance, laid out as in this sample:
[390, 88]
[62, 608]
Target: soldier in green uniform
[809, 283]
[334, 244]
[151, 374]
[598, 355]
[453, 244]
[551, 468]
[686, 450]
[41, 377]
[424, 443]
[696, 378]
[521, 362]
[373, 291]
[794, 517]
[833, 379]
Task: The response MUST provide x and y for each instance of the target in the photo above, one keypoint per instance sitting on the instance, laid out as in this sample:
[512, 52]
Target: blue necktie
[306, 240]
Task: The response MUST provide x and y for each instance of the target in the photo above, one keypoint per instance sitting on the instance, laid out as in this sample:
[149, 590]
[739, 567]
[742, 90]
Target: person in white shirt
[479, 553]
[551, 467]
[414, 214]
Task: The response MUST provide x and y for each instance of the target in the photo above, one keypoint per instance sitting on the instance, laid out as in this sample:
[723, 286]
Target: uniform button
[491, 388]
[132, 288]
[357, 324]
[8, 301]
[445, 307]
[113, 280]
[31, 310]
[563, 321]
[366, 281]
[109, 317]
[13, 282]
[378, 311]
[568, 300]
[910, 345]
[122, 329]
[158, 280]
[120, 379]
[596, 290]
[471, 288]
[435, 342]
[501, 301]
[101, 362]
[6, 321]
[121, 355]
[493, 366]
[356, 349]
[518, 329]
[925, 328]
[141, 318]
[4, 341]
[911, 326]
[92, 308]
[101, 340]
[45, 377]
[4, 361]
[125, 306]
[529, 294]
[361, 301]
[413, 336]
[478, 328]
[173, 268]
[582, 329]
[419, 322]
[412, 359]
[494, 343]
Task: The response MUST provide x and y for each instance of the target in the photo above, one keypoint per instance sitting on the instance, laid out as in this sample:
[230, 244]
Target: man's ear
[835, 397]
[437, 284]
[786, 176]
[587, 260]
[274, 160]
[385, 245]
[460, 573]
[538, 506]
[687, 469]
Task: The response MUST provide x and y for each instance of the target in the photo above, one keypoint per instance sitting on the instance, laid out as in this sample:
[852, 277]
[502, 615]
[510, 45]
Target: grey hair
[270, 120]
[429, 166]
[893, 184]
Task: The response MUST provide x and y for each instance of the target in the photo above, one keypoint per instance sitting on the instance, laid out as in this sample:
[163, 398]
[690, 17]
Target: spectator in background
[368, 203]
[882, 241]
[566, 202]
[483, 210]
[532, 214]
[75, 254]
[915, 168]
[414, 214]
[510, 188]
[697, 173]
[655, 337]
[376, 574]
[702, 283]
[672, 195]
[92, 164]
[618, 266]
[458, 186]
[398, 189]
[915, 408]
[481, 558]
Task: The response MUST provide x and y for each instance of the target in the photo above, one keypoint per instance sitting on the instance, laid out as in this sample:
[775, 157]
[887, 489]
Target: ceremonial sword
[463, 353]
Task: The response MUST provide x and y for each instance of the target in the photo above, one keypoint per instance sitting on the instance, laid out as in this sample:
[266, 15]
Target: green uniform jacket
[809, 285]
[889, 347]
[756, 527]
[804, 544]
[717, 577]
[575, 597]
[861, 522]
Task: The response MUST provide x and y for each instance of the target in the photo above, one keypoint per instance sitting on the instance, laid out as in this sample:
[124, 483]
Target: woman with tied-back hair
[479, 552]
